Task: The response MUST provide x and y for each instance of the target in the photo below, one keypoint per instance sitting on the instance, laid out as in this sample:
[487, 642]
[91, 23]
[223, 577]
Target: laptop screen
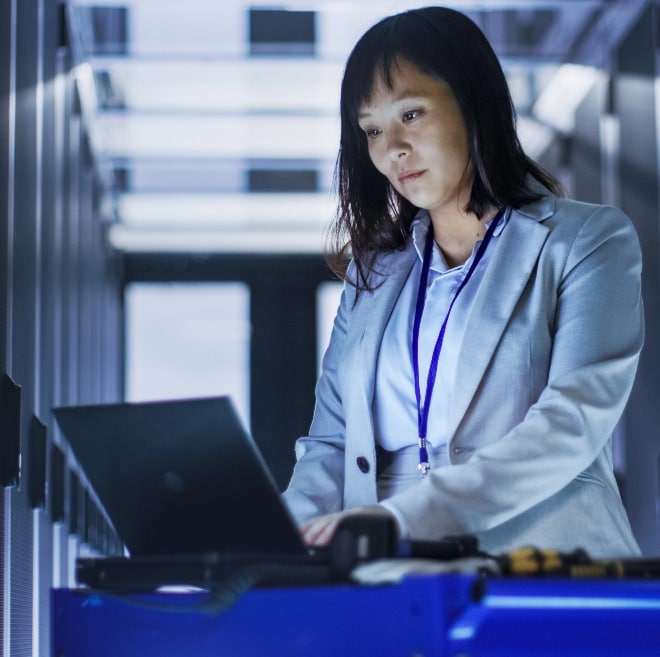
[180, 477]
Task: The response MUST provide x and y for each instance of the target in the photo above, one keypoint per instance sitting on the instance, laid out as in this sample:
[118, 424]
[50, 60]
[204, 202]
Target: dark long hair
[445, 44]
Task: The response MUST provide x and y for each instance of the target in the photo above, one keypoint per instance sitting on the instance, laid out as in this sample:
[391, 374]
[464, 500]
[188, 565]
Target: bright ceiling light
[186, 240]
[242, 86]
[218, 136]
[557, 104]
[225, 210]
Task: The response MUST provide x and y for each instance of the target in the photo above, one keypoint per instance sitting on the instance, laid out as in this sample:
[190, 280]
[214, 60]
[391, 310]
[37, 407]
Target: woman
[489, 330]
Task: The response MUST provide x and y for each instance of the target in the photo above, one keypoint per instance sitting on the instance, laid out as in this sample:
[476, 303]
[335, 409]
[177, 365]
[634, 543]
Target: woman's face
[418, 140]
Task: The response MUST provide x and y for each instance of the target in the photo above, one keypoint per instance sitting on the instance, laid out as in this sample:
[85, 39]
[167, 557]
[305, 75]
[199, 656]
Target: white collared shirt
[394, 407]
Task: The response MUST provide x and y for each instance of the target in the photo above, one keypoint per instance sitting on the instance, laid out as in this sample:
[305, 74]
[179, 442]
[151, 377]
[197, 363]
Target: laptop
[188, 493]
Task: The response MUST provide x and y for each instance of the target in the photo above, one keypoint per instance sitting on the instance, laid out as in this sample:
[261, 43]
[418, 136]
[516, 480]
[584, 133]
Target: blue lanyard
[423, 410]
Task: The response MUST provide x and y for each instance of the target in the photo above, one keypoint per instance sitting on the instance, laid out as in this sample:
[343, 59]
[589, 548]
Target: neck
[457, 234]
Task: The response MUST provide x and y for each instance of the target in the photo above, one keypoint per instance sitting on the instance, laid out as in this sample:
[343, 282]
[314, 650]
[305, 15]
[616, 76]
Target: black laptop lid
[180, 477]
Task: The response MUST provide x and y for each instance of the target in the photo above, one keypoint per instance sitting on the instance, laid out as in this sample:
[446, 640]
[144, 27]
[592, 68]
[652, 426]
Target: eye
[410, 115]
[372, 133]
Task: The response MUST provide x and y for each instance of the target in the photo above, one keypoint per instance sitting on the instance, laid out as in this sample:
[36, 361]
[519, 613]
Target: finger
[319, 531]
[326, 533]
[314, 531]
[310, 530]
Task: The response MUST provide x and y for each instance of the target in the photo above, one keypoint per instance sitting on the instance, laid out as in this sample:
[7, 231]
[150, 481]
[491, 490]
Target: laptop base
[205, 571]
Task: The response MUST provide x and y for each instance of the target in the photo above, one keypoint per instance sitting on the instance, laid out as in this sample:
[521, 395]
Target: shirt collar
[420, 228]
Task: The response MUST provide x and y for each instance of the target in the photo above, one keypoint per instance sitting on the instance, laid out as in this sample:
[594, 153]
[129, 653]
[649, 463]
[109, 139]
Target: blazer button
[363, 464]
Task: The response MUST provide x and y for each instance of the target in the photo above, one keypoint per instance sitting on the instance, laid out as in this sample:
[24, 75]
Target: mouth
[409, 176]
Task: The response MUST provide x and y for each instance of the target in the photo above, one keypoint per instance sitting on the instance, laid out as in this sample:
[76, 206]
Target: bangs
[405, 37]
[362, 77]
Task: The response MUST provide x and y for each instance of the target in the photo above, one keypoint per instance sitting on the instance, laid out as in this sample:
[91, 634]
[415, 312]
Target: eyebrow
[404, 96]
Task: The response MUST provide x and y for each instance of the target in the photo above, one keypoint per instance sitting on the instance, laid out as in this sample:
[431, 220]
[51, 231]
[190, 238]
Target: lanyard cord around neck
[423, 409]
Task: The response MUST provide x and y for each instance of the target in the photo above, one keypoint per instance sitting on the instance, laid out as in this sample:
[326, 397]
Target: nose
[398, 146]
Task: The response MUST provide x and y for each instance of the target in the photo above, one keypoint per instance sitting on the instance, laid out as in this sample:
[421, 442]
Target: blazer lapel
[374, 312]
[509, 269]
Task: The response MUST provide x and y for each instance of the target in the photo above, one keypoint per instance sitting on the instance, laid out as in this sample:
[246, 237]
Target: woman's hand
[319, 531]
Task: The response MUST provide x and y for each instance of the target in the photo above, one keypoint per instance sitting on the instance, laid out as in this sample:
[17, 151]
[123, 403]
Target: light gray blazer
[545, 369]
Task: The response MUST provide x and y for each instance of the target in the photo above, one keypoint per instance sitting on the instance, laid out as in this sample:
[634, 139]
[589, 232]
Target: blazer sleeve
[317, 483]
[598, 335]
